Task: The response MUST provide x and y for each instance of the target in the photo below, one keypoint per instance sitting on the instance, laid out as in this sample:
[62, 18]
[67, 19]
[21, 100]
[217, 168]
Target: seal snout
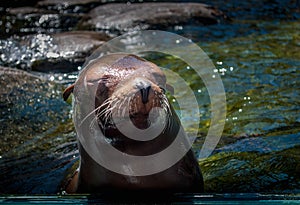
[145, 94]
[144, 87]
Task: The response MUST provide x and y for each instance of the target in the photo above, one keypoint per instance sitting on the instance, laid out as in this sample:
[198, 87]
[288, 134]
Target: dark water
[207, 199]
[257, 54]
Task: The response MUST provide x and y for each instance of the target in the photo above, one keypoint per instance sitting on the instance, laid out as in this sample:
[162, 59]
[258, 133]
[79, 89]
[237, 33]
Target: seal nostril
[145, 94]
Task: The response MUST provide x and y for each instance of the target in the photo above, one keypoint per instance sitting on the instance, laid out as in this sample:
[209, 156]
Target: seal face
[130, 86]
[128, 89]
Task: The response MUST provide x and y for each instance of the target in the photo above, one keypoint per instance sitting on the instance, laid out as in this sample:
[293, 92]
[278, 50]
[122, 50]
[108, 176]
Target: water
[257, 55]
[207, 199]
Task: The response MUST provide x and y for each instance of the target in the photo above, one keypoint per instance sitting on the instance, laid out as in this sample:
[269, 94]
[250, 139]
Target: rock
[70, 6]
[250, 172]
[29, 105]
[66, 2]
[262, 144]
[120, 18]
[69, 51]
[62, 52]
[18, 3]
[28, 20]
[36, 131]
[20, 11]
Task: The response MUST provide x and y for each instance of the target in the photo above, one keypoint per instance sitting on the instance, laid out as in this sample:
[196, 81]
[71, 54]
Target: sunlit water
[259, 63]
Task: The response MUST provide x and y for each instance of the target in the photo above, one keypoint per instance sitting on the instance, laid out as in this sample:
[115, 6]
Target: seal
[129, 84]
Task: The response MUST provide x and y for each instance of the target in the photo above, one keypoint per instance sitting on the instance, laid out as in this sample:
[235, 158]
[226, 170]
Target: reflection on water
[205, 199]
[258, 59]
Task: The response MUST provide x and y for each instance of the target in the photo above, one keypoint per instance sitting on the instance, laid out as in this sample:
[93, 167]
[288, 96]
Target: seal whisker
[107, 116]
[88, 115]
[109, 111]
[128, 98]
[167, 105]
[102, 113]
[120, 106]
[94, 122]
[96, 119]
[107, 103]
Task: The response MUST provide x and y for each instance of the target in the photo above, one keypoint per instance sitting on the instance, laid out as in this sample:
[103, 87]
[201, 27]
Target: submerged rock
[36, 131]
[120, 18]
[262, 144]
[29, 105]
[246, 172]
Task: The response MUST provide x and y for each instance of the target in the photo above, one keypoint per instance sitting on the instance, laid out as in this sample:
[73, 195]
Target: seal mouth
[140, 120]
[135, 108]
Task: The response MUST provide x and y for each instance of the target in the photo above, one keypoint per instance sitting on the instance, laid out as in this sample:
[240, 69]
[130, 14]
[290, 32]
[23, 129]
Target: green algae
[252, 172]
[262, 89]
[263, 81]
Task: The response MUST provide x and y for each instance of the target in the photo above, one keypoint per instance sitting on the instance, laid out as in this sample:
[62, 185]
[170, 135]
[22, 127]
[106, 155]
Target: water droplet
[231, 68]
[199, 91]
[72, 76]
[240, 110]
[178, 28]
[213, 76]
[173, 100]
[223, 70]
[52, 55]
[188, 67]
[52, 78]
[43, 18]
[219, 62]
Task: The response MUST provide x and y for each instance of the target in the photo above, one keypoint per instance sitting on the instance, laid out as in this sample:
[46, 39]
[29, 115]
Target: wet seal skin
[129, 84]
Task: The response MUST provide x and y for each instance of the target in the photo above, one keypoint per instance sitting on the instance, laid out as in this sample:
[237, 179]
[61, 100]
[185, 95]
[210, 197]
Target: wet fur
[122, 98]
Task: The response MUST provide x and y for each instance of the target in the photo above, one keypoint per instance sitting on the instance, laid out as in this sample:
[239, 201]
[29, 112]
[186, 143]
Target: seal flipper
[68, 92]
